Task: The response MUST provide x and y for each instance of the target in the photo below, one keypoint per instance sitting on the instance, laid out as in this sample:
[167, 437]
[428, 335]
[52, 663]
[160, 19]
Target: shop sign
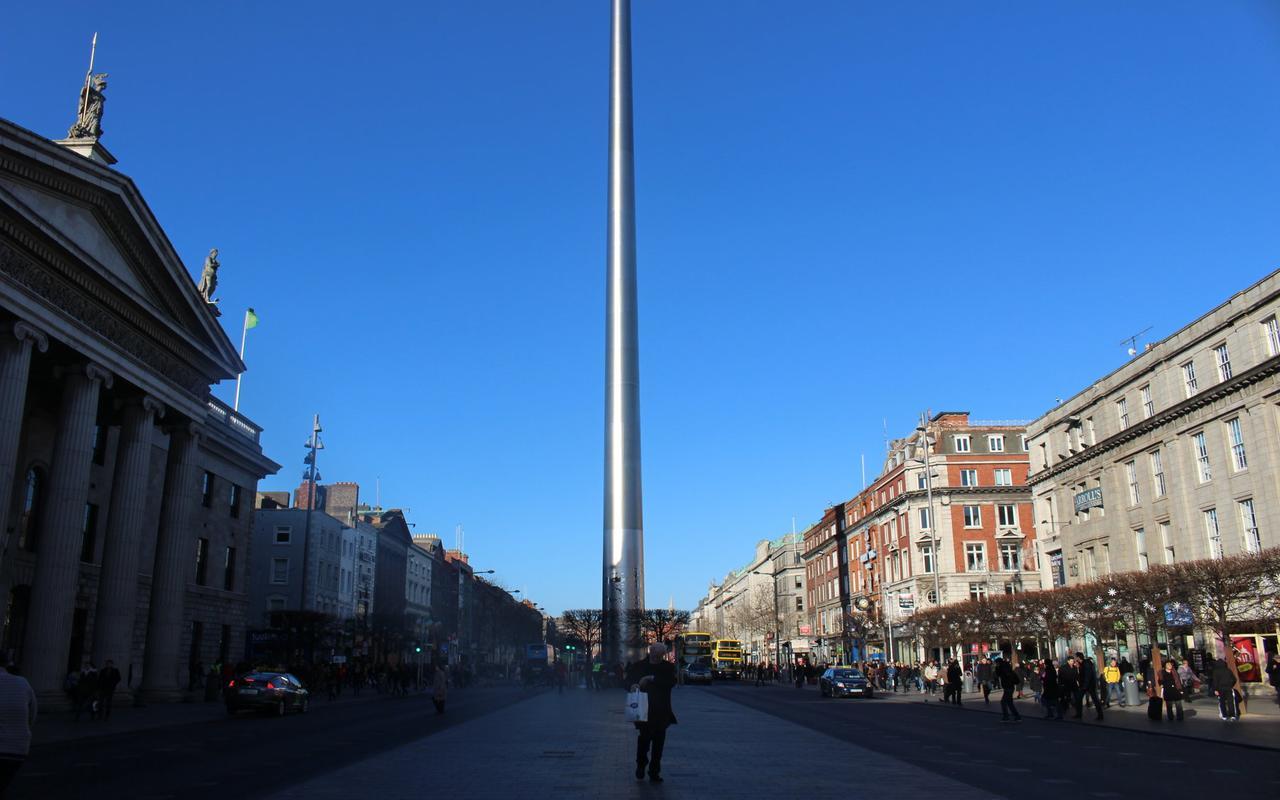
[906, 602]
[1246, 653]
[1089, 498]
[1178, 614]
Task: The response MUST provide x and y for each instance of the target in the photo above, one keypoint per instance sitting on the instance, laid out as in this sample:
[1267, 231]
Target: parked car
[697, 673]
[844, 682]
[275, 692]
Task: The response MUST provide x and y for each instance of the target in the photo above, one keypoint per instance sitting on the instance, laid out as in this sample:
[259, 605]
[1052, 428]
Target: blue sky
[847, 212]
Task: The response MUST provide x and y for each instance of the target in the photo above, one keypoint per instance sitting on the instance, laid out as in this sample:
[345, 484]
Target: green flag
[250, 319]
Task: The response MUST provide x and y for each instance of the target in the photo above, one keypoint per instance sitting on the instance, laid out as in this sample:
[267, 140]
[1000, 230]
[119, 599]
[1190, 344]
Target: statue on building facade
[88, 124]
[209, 277]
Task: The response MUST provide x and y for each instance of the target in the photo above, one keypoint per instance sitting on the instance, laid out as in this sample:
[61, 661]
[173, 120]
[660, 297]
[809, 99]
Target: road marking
[1104, 794]
[1055, 780]
[1126, 754]
[1016, 769]
[1226, 771]
[1172, 761]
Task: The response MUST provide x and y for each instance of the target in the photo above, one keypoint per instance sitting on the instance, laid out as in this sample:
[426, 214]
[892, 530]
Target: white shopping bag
[637, 706]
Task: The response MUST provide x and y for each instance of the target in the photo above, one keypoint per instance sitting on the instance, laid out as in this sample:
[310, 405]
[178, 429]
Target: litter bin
[1132, 696]
[970, 683]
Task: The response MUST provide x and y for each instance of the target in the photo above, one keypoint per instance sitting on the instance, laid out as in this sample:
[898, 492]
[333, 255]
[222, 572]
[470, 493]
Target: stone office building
[1173, 456]
[125, 489]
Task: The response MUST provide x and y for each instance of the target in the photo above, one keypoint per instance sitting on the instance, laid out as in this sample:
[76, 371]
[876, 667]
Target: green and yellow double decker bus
[726, 659]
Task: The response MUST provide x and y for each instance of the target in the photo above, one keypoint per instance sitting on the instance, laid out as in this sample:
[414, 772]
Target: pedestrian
[1009, 682]
[1088, 684]
[1111, 683]
[1069, 686]
[954, 677]
[87, 692]
[985, 673]
[108, 680]
[17, 716]
[1051, 691]
[439, 688]
[1171, 688]
[656, 677]
[1224, 686]
[931, 677]
[1273, 674]
[1031, 677]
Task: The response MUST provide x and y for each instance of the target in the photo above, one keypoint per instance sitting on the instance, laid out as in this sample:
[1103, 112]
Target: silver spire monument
[623, 574]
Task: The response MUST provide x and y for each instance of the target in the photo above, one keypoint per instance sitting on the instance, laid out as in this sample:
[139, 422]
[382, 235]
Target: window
[924, 518]
[975, 557]
[1157, 472]
[1202, 456]
[282, 533]
[32, 505]
[1238, 458]
[1090, 559]
[1140, 545]
[275, 603]
[1131, 471]
[1223, 359]
[202, 559]
[1004, 477]
[968, 477]
[996, 443]
[1007, 515]
[1249, 525]
[1026, 447]
[799, 583]
[973, 516]
[279, 570]
[1148, 405]
[229, 569]
[1273, 336]
[1122, 412]
[206, 490]
[1166, 542]
[89, 533]
[1010, 556]
[932, 596]
[1189, 377]
[977, 591]
[1212, 533]
[799, 604]
[961, 443]
[100, 444]
[235, 500]
[926, 552]
[921, 480]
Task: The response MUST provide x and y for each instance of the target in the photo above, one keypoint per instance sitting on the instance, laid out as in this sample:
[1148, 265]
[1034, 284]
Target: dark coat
[1171, 685]
[954, 674]
[1068, 679]
[1050, 681]
[1007, 677]
[1223, 678]
[659, 690]
[1089, 675]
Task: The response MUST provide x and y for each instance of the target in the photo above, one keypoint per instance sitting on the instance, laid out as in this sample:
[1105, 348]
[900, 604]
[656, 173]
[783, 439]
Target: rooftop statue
[209, 277]
[88, 124]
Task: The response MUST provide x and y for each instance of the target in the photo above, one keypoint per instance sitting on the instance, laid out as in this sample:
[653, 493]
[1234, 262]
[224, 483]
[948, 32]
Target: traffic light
[417, 648]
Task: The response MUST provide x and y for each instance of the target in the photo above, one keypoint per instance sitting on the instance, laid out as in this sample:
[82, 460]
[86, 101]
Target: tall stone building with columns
[126, 490]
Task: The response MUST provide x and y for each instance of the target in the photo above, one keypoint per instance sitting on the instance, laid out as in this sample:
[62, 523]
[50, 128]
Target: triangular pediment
[89, 230]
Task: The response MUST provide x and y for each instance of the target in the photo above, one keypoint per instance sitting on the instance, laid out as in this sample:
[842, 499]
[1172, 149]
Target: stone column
[162, 669]
[118, 581]
[60, 539]
[15, 366]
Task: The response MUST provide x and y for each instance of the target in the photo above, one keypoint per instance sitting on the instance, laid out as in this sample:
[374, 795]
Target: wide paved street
[755, 742]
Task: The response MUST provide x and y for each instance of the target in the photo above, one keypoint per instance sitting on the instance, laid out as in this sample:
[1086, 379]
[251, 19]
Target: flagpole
[244, 336]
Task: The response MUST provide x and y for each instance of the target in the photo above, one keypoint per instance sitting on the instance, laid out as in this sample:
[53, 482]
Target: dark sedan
[843, 682]
[275, 692]
[697, 673]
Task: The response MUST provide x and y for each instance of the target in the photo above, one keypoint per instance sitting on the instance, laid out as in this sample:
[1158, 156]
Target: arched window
[33, 489]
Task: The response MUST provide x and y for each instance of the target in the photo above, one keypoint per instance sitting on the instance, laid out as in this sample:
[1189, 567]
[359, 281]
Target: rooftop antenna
[377, 492]
[793, 526]
[1132, 341]
[863, 456]
[885, 422]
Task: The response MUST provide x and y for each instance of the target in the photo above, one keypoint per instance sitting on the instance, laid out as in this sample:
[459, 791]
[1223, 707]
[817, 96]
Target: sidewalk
[60, 726]
[576, 744]
[1259, 726]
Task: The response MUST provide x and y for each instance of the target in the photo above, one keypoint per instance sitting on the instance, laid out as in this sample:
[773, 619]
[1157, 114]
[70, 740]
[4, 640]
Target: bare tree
[1095, 608]
[1222, 591]
[586, 625]
[659, 624]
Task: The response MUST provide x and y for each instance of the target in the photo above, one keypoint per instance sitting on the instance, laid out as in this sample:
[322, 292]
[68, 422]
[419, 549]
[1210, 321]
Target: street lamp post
[933, 523]
[311, 475]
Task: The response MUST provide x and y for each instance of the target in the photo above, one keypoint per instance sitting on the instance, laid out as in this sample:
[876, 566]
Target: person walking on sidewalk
[931, 677]
[1171, 688]
[439, 688]
[1049, 679]
[1009, 682]
[955, 676]
[656, 677]
[1068, 687]
[1224, 686]
[17, 717]
[985, 673]
[1088, 684]
[108, 680]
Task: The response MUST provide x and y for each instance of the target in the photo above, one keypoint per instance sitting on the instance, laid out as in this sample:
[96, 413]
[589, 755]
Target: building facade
[1174, 456]
[297, 566]
[127, 489]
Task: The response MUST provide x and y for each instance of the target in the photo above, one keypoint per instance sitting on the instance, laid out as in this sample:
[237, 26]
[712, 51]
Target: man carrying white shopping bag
[651, 680]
